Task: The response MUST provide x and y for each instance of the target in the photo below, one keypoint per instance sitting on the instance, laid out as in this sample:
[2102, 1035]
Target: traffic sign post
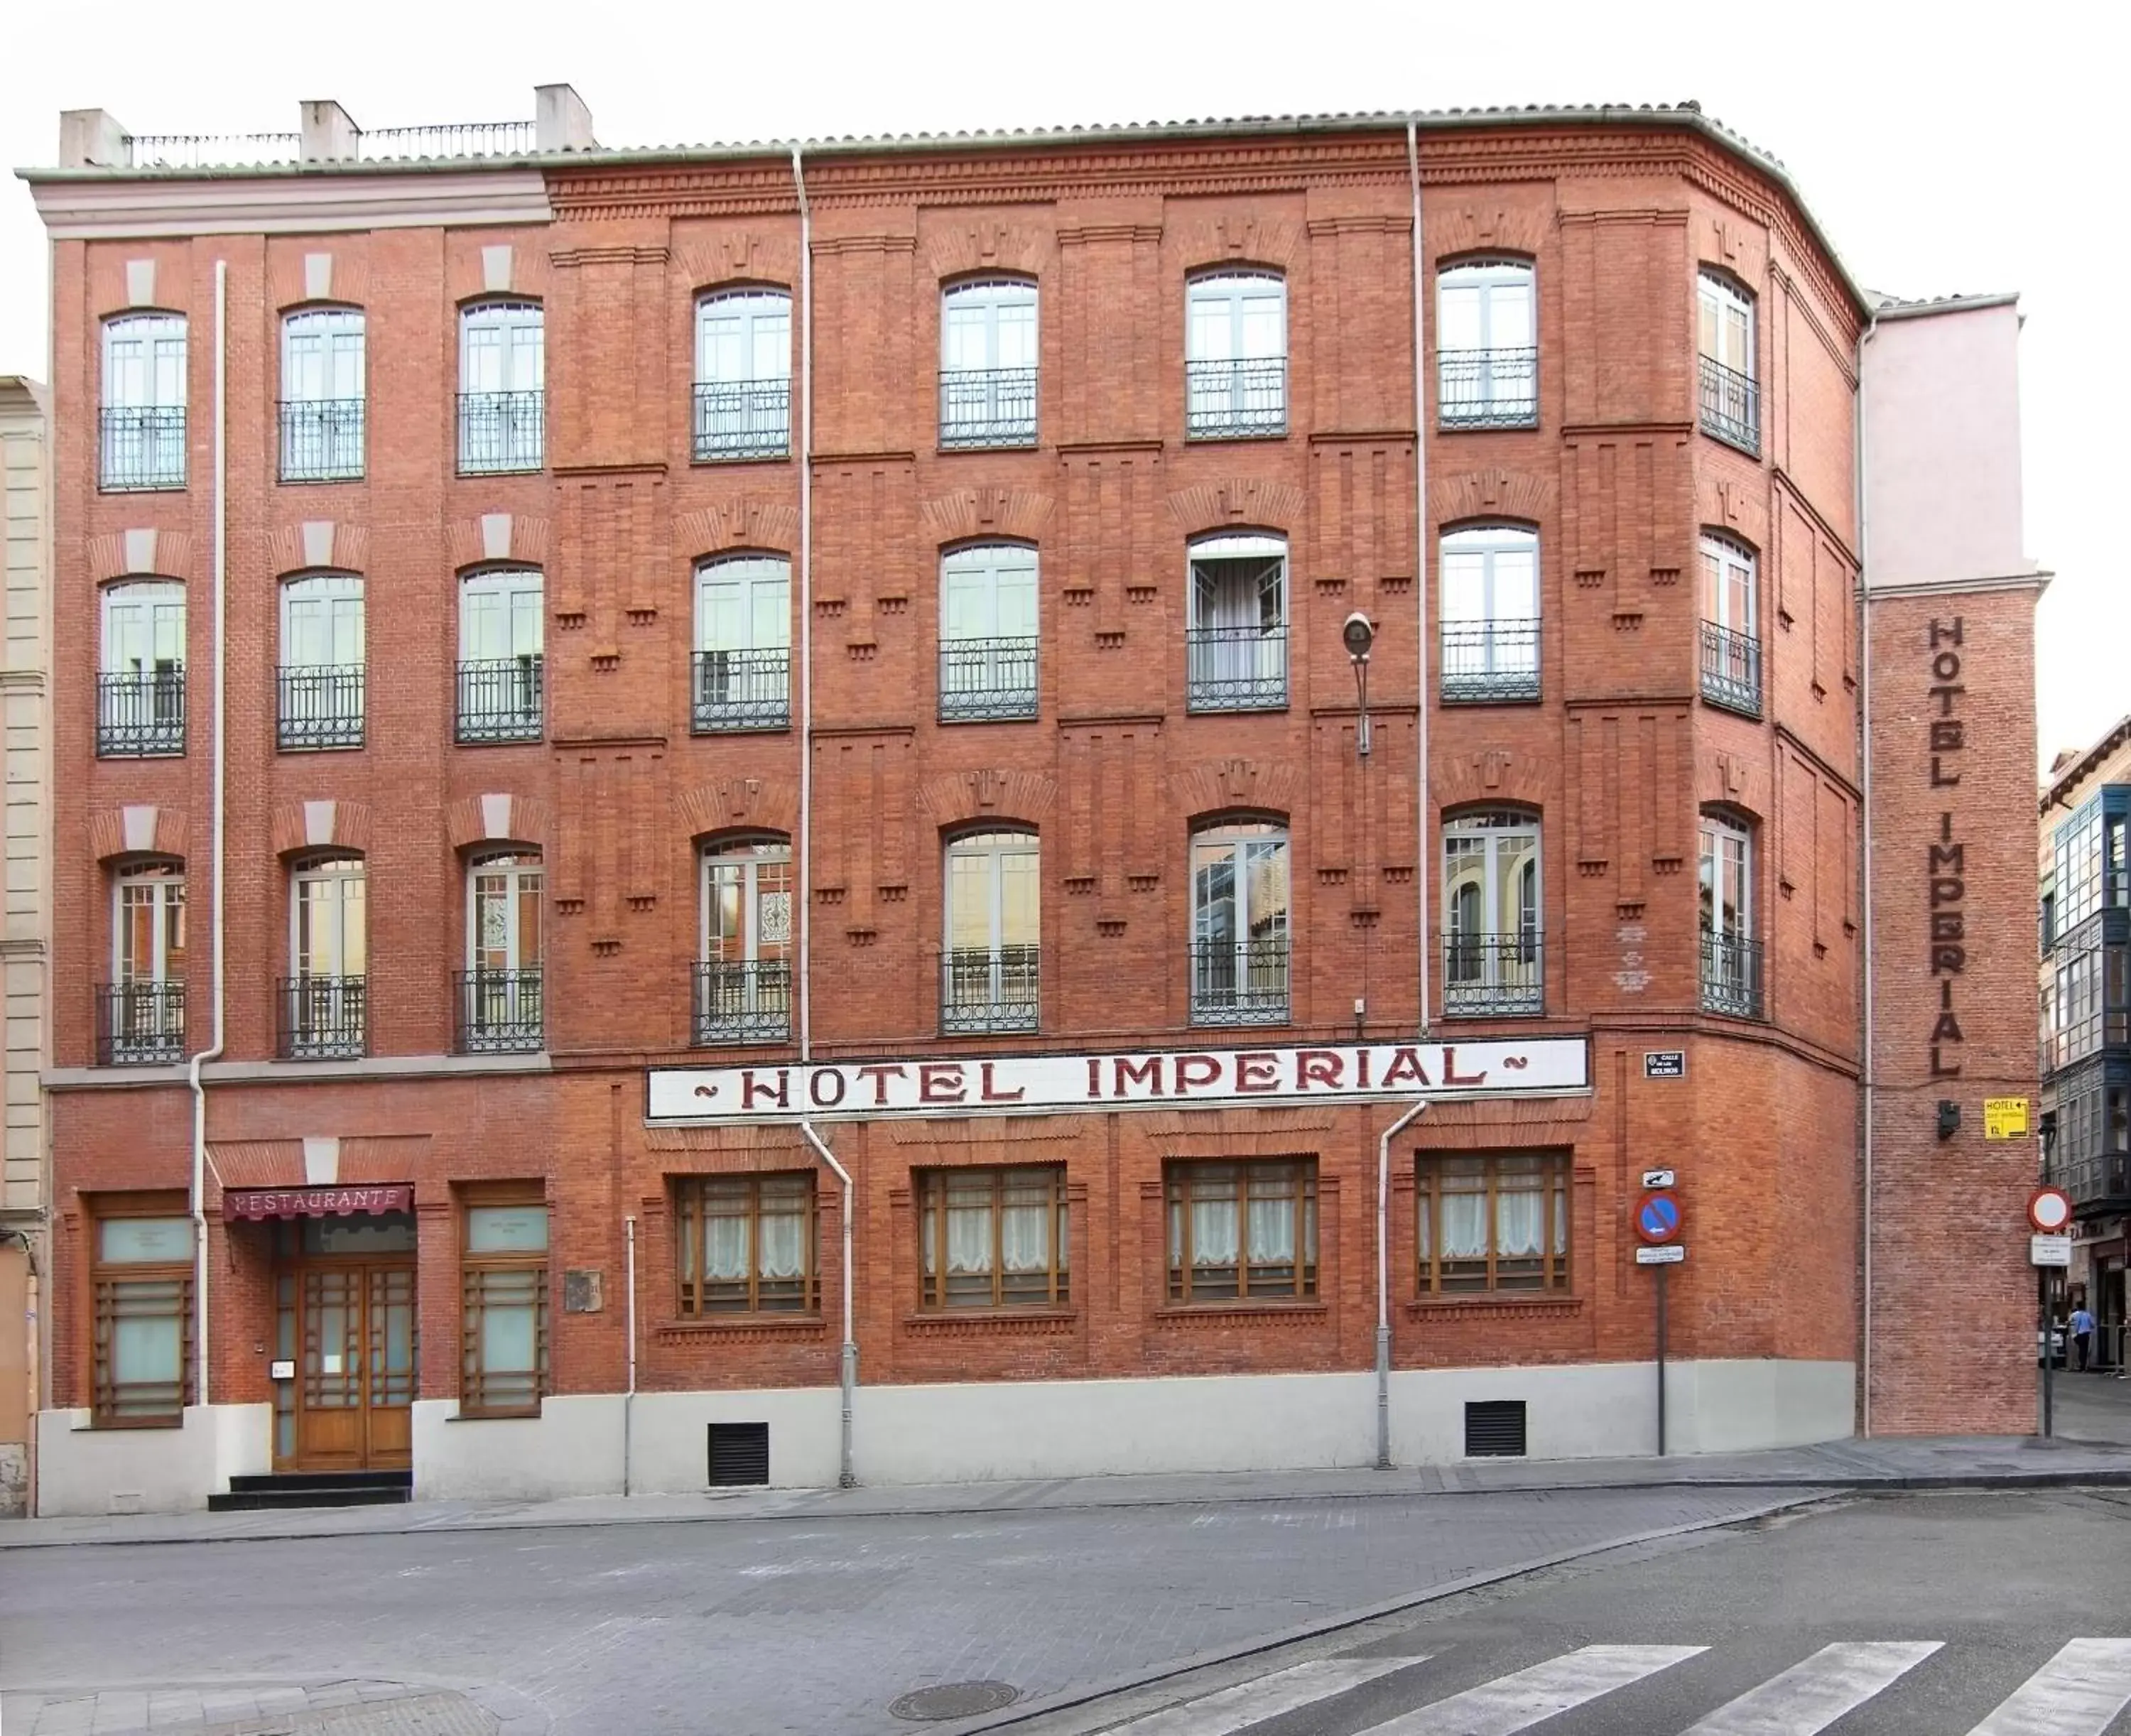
[2049, 1251]
[1658, 1221]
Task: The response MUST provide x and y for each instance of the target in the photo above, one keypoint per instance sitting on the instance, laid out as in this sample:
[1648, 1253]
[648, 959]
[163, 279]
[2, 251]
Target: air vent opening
[1494, 1429]
[740, 1454]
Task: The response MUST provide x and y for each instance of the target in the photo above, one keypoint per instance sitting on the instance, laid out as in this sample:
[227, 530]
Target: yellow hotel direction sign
[2005, 1118]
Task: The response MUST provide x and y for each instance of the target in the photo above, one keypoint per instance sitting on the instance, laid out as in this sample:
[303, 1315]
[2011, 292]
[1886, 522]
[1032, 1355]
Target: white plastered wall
[84, 1471]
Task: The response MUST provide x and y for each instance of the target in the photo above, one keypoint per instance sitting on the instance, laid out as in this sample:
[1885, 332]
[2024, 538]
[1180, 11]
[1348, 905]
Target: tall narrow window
[140, 689]
[1487, 354]
[1235, 355]
[994, 933]
[321, 395]
[501, 673]
[744, 970]
[743, 375]
[744, 1244]
[1730, 647]
[987, 633]
[323, 661]
[1242, 1232]
[1489, 614]
[743, 667]
[142, 422]
[988, 360]
[324, 1002]
[1492, 915]
[1494, 1222]
[992, 1238]
[1236, 643]
[502, 388]
[1730, 955]
[142, 1010]
[503, 1355]
[500, 1003]
[1239, 926]
[1731, 394]
[142, 1275]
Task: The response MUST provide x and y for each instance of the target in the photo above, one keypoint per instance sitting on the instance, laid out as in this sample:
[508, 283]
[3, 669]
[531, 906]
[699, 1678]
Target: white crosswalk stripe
[1513, 1703]
[1809, 1697]
[1238, 1707]
[2077, 1693]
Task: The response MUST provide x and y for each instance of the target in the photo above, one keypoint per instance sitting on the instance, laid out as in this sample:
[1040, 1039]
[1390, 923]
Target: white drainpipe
[1424, 868]
[1384, 1282]
[848, 1379]
[1865, 684]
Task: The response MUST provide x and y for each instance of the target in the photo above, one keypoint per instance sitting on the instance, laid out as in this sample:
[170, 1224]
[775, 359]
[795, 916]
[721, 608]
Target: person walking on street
[2082, 1334]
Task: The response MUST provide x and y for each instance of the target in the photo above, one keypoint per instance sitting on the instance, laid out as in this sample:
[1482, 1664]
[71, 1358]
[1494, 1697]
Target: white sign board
[1670, 1254]
[1657, 1179]
[2049, 1250]
[1040, 1084]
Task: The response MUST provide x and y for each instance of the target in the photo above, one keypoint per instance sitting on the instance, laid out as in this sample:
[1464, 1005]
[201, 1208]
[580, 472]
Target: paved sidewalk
[1958, 1462]
[244, 1708]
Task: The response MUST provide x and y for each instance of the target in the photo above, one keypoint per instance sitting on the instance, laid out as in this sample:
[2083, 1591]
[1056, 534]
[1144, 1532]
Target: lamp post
[1359, 633]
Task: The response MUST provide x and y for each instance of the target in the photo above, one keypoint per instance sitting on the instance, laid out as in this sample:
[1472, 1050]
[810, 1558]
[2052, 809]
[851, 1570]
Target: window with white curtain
[501, 672]
[1497, 1222]
[745, 1244]
[995, 932]
[141, 420]
[324, 365]
[1235, 355]
[743, 392]
[1731, 646]
[141, 684]
[323, 674]
[988, 363]
[1241, 892]
[324, 1002]
[743, 664]
[1491, 616]
[1493, 913]
[992, 1238]
[988, 633]
[1730, 956]
[1487, 354]
[744, 970]
[1731, 394]
[143, 1014]
[1242, 1232]
[1235, 638]
[502, 387]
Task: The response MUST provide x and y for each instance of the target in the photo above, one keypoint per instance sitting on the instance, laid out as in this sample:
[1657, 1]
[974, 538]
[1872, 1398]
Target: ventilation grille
[1494, 1429]
[739, 1453]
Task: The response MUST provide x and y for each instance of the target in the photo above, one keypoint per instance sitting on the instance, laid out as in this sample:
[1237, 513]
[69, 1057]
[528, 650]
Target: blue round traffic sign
[1657, 1217]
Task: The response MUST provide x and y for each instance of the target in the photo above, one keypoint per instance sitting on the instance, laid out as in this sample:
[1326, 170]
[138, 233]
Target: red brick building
[896, 939]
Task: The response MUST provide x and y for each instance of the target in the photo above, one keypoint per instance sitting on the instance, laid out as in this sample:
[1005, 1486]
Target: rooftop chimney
[91, 139]
[330, 134]
[561, 121]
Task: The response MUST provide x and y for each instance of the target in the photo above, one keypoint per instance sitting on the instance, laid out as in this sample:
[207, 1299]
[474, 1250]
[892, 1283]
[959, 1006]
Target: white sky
[1955, 147]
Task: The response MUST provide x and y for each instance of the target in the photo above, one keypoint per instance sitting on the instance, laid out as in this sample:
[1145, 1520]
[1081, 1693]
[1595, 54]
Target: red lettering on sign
[1195, 1069]
[1361, 1070]
[880, 1076]
[776, 1094]
[822, 1076]
[941, 1081]
[1258, 1071]
[1147, 1073]
[1451, 1076]
[990, 1093]
[1406, 1069]
[1319, 1067]
[1094, 1075]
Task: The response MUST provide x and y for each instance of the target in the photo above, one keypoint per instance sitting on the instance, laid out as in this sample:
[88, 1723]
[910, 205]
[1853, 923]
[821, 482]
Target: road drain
[955, 1700]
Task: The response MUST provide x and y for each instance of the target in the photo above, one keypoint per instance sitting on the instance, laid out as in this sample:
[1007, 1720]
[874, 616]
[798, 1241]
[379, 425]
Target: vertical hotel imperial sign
[1052, 1084]
[1946, 866]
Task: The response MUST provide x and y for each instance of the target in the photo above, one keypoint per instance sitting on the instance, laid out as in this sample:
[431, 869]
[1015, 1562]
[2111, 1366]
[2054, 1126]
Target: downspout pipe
[1423, 874]
[628, 1399]
[1864, 689]
[220, 774]
[1384, 1280]
[846, 1477]
[805, 361]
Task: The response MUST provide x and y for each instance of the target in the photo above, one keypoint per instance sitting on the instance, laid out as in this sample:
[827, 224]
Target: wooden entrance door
[355, 1388]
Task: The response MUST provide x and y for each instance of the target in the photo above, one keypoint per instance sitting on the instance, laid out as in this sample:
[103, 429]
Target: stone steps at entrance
[314, 1489]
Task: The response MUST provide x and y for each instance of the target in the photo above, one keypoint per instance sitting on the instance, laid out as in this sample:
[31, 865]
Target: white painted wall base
[94, 1471]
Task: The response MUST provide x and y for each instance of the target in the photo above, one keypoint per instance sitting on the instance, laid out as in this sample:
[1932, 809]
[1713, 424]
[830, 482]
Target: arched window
[1731, 646]
[502, 388]
[988, 633]
[1731, 394]
[994, 925]
[1493, 914]
[501, 671]
[1240, 925]
[1486, 354]
[1235, 355]
[324, 1002]
[142, 436]
[321, 395]
[1730, 955]
[988, 362]
[743, 668]
[141, 686]
[500, 1001]
[1491, 617]
[1236, 643]
[743, 961]
[743, 375]
[142, 1013]
[323, 674]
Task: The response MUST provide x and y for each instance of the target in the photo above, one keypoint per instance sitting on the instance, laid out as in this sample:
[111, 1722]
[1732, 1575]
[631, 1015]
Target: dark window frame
[693, 1197]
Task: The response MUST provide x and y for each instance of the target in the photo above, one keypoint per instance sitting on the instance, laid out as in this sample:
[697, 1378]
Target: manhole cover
[955, 1700]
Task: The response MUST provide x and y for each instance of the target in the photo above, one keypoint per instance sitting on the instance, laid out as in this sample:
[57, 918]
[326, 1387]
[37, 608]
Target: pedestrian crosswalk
[2080, 1689]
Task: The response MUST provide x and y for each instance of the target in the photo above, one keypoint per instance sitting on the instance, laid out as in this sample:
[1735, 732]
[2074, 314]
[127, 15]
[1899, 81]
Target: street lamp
[1359, 633]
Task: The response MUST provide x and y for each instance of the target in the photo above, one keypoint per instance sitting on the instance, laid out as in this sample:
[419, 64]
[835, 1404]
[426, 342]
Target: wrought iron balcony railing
[141, 447]
[500, 1010]
[2101, 1182]
[1731, 975]
[743, 690]
[1239, 981]
[1486, 975]
[983, 989]
[322, 707]
[1235, 668]
[1235, 399]
[983, 679]
[501, 432]
[1731, 669]
[322, 439]
[139, 1024]
[1496, 388]
[1487, 661]
[500, 700]
[141, 713]
[1730, 406]
[746, 419]
[323, 1018]
[745, 1002]
[987, 407]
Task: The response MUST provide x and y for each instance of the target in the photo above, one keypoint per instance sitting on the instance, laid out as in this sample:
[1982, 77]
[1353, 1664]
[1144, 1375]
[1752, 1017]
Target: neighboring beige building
[26, 511]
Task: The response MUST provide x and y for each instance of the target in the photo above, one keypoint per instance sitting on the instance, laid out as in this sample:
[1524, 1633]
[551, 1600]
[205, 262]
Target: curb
[515, 1712]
